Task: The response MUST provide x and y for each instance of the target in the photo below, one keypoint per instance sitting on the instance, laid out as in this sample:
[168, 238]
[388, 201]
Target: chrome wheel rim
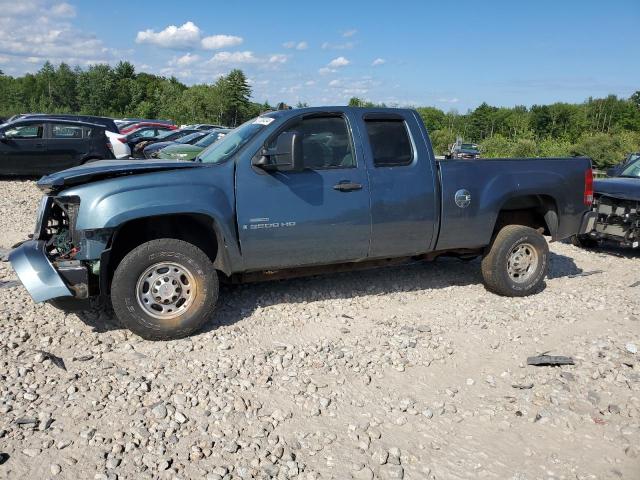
[166, 290]
[522, 262]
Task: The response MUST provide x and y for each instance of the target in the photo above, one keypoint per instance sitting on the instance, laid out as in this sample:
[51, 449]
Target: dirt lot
[414, 372]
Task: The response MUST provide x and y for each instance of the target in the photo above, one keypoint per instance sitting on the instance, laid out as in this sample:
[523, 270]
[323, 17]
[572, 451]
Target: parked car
[144, 133]
[165, 136]
[617, 205]
[119, 146]
[125, 129]
[37, 146]
[108, 123]
[122, 121]
[463, 151]
[293, 192]
[181, 151]
[617, 169]
[153, 150]
[203, 126]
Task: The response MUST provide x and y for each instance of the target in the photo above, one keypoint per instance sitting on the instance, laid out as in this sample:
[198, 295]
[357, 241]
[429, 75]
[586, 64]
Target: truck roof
[336, 108]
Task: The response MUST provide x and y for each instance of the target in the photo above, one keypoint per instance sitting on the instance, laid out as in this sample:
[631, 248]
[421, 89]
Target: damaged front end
[59, 261]
[618, 220]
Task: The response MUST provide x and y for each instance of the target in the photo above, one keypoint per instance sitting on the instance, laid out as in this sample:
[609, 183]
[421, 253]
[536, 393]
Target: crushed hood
[620, 187]
[103, 169]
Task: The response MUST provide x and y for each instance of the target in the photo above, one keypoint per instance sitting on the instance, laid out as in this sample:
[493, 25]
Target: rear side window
[390, 142]
[65, 131]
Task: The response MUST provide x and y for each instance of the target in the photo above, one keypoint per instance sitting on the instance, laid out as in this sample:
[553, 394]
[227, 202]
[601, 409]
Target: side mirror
[285, 157]
[3, 137]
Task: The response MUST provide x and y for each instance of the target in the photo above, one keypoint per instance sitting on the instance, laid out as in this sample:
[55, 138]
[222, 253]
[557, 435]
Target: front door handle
[347, 186]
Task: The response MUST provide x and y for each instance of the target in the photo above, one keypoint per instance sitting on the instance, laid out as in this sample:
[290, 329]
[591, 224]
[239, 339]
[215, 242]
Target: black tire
[584, 241]
[510, 245]
[128, 285]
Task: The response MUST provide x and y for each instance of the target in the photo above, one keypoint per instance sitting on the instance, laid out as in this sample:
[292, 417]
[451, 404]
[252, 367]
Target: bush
[441, 139]
[497, 146]
[605, 149]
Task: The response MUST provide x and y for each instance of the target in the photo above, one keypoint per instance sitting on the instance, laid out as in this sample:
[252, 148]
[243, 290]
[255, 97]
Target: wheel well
[535, 211]
[196, 229]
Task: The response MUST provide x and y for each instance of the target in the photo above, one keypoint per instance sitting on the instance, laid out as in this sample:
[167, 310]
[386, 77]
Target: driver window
[32, 131]
[326, 142]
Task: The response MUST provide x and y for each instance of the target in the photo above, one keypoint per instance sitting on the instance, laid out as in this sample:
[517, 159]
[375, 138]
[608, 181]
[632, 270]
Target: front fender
[108, 204]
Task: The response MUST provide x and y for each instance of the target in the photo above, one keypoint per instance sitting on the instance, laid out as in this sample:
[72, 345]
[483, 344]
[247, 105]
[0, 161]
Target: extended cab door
[21, 148]
[317, 216]
[403, 183]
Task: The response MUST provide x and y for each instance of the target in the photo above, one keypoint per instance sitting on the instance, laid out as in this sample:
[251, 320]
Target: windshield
[233, 141]
[166, 134]
[632, 170]
[189, 138]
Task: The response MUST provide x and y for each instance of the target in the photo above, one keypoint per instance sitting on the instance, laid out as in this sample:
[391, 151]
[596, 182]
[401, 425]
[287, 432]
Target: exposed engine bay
[618, 220]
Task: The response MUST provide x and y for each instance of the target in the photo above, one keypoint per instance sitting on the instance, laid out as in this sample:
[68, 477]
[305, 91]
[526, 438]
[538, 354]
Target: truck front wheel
[517, 262]
[164, 289]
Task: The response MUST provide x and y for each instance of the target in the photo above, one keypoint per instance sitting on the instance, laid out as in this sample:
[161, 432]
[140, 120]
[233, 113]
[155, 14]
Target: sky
[453, 55]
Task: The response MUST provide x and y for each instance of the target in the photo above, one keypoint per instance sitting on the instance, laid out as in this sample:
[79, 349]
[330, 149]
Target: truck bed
[491, 181]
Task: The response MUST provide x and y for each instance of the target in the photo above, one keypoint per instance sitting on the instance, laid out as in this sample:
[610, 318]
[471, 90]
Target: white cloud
[296, 45]
[30, 8]
[215, 42]
[185, 60]
[63, 10]
[338, 62]
[349, 33]
[378, 61]
[326, 71]
[234, 57]
[278, 58]
[335, 83]
[186, 35]
[28, 38]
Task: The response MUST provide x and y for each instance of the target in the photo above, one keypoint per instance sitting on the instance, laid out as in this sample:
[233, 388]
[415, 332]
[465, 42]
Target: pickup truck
[288, 193]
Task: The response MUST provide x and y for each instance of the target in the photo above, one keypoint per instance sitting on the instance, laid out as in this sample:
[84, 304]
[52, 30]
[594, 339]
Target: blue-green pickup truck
[288, 193]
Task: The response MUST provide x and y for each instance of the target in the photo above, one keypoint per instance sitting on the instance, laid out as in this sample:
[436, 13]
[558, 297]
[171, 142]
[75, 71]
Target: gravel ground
[412, 372]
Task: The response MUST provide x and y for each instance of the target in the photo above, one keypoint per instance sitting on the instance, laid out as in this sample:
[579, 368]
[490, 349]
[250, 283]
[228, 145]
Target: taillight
[122, 139]
[588, 187]
[109, 146]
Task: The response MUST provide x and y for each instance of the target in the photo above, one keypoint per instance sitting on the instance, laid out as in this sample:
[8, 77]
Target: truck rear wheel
[517, 262]
[164, 289]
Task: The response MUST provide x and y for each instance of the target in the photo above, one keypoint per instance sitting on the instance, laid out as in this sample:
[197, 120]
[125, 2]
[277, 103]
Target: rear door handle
[347, 186]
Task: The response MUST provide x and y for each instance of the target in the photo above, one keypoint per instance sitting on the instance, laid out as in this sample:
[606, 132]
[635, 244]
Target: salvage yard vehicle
[292, 192]
[188, 151]
[153, 150]
[617, 206]
[168, 136]
[41, 145]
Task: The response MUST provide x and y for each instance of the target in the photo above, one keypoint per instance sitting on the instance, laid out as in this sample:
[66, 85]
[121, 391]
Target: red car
[135, 126]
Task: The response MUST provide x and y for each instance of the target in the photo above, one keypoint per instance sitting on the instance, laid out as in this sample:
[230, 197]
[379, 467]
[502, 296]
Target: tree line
[121, 92]
[604, 129]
